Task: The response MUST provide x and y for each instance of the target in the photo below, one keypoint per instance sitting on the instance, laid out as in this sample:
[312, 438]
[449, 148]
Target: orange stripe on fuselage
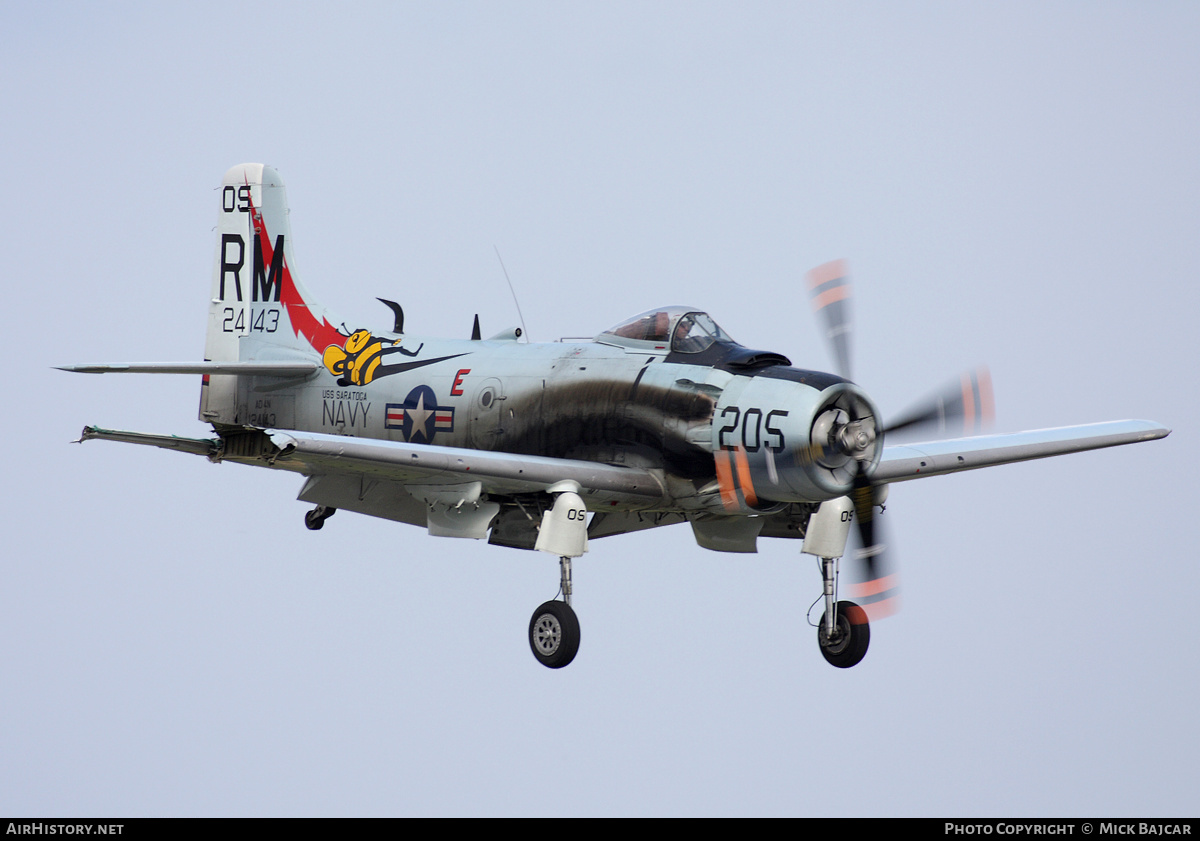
[743, 472]
[725, 481]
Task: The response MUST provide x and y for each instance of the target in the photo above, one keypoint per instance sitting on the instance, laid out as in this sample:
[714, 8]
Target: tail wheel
[316, 518]
[554, 634]
[851, 636]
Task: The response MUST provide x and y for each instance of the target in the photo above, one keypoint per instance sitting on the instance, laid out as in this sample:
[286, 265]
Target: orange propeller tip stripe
[827, 272]
[856, 614]
[987, 402]
[830, 296]
[874, 588]
[883, 609]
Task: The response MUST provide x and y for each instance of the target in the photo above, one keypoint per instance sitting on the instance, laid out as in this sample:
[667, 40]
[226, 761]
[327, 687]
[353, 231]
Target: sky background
[1014, 184]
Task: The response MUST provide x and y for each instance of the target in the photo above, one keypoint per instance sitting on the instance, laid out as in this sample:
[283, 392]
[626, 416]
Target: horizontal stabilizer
[260, 369]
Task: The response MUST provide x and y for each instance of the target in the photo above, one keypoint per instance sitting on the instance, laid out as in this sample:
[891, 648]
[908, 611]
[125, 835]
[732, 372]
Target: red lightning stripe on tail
[320, 334]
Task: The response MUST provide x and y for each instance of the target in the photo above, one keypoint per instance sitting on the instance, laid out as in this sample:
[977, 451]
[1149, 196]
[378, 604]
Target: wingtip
[1154, 430]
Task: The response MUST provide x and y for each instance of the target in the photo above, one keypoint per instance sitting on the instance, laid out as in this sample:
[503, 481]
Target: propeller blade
[830, 291]
[878, 596]
[875, 586]
[863, 497]
[961, 408]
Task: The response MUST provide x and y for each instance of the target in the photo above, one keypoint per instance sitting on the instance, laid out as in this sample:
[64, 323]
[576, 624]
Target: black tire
[554, 634]
[852, 635]
[316, 518]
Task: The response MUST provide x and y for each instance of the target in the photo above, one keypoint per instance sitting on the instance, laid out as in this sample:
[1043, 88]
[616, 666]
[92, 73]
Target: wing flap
[935, 458]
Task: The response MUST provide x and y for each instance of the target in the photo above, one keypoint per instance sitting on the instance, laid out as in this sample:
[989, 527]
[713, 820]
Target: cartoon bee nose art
[362, 358]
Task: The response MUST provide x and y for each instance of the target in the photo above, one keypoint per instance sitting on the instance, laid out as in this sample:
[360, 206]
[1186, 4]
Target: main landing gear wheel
[851, 636]
[554, 634]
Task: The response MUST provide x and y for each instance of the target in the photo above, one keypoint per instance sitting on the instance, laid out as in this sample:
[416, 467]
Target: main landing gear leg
[564, 584]
[554, 628]
[829, 571]
[843, 632]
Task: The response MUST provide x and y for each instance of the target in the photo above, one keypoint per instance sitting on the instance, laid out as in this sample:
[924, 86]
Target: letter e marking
[456, 389]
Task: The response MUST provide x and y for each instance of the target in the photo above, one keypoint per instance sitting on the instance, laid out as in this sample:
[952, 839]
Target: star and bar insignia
[419, 417]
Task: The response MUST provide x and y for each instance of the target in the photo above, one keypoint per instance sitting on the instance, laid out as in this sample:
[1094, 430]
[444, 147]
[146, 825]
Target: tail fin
[258, 311]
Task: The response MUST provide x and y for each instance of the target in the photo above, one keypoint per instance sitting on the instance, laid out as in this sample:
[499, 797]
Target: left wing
[425, 464]
[934, 458]
[427, 471]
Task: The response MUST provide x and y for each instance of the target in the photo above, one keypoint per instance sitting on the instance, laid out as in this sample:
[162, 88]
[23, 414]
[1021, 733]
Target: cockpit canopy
[679, 329]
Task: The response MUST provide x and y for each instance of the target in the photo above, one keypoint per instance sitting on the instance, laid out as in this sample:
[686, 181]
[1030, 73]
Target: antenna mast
[514, 293]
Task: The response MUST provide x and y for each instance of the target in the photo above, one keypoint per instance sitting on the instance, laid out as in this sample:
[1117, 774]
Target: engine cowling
[795, 439]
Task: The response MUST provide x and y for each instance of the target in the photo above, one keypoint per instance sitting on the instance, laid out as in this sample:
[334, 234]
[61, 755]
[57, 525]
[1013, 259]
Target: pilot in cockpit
[695, 332]
[682, 341]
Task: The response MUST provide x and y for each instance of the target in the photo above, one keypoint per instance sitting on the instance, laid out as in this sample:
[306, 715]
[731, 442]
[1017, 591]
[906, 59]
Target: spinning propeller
[841, 435]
